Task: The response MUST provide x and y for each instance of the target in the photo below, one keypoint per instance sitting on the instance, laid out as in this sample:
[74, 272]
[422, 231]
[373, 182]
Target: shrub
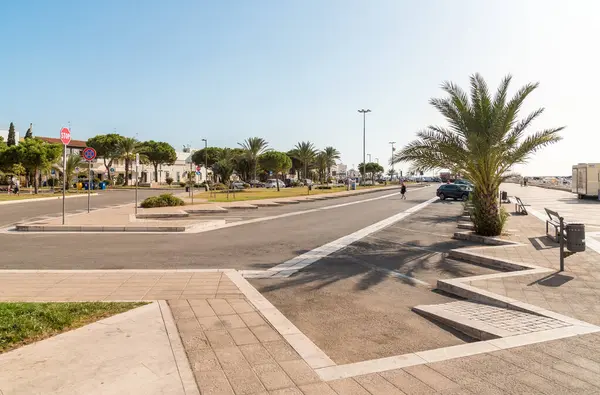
[169, 180]
[181, 184]
[51, 182]
[323, 187]
[218, 187]
[246, 185]
[164, 200]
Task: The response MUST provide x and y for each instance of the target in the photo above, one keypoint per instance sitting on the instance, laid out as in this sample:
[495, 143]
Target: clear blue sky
[288, 71]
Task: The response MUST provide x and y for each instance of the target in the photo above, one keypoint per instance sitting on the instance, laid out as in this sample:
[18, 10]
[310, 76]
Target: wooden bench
[554, 221]
[520, 206]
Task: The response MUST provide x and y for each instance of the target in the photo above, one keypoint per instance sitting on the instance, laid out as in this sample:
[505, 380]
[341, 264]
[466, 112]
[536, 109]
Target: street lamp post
[364, 113]
[205, 162]
[369, 155]
[392, 160]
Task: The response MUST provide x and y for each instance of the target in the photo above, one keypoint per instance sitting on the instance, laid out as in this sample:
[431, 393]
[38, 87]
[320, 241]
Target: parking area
[356, 304]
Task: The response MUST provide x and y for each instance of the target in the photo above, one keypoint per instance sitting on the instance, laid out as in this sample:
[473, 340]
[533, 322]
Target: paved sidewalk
[129, 353]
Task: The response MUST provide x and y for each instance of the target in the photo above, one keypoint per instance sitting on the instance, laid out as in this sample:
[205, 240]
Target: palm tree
[73, 161]
[322, 165]
[305, 152]
[331, 154]
[254, 147]
[483, 142]
[127, 148]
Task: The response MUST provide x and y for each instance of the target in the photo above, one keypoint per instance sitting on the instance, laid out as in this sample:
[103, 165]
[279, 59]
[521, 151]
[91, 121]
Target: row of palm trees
[305, 156]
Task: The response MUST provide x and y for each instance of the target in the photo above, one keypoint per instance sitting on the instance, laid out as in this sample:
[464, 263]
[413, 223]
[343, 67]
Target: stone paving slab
[484, 322]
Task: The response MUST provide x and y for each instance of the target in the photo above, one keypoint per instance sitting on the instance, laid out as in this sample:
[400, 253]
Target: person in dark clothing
[403, 191]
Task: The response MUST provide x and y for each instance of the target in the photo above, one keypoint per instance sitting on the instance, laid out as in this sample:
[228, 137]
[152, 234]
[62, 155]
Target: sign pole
[64, 181]
[137, 180]
[89, 182]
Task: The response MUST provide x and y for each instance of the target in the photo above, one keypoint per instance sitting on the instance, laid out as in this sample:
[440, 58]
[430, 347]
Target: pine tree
[29, 133]
[11, 135]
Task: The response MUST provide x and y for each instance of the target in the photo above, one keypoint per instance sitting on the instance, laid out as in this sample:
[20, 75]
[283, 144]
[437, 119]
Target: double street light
[364, 113]
[392, 160]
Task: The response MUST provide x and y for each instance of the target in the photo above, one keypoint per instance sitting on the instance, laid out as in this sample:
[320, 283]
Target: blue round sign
[89, 153]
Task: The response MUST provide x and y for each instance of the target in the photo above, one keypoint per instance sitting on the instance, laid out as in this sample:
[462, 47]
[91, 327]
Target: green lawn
[271, 193]
[23, 323]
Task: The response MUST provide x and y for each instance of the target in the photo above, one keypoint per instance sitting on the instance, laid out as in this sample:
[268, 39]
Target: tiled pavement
[574, 292]
[232, 348]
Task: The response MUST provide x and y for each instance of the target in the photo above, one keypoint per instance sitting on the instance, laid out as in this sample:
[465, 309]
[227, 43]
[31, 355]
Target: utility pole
[364, 113]
[392, 160]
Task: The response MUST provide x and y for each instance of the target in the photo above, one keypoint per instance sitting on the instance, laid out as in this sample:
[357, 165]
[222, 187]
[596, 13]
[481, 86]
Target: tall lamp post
[392, 160]
[205, 161]
[364, 113]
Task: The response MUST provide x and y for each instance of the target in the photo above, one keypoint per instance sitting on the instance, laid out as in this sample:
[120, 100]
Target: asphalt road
[250, 246]
[19, 212]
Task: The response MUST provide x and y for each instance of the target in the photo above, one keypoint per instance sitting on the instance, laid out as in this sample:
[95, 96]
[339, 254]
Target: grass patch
[23, 323]
[271, 193]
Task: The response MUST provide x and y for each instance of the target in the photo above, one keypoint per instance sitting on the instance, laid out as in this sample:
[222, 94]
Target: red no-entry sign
[65, 136]
[198, 168]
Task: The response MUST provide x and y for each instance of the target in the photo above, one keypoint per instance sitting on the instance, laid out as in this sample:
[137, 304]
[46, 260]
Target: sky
[291, 71]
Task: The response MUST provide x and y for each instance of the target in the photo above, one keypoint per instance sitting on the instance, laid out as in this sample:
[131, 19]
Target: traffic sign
[137, 159]
[89, 153]
[65, 136]
[198, 168]
[198, 173]
[112, 169]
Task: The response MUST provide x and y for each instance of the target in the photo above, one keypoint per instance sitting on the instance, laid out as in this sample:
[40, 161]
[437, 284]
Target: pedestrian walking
[403, 191]
[16, 190]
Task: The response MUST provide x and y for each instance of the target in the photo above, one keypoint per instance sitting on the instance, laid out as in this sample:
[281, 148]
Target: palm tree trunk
[126, 182]
[486, 213]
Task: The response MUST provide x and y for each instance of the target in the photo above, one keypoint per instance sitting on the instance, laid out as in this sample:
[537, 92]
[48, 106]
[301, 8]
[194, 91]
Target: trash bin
[504, 196]
[575, 235]
[102, 186]
[79, 185]
[353, 186]
[187, 189]
[86, 185]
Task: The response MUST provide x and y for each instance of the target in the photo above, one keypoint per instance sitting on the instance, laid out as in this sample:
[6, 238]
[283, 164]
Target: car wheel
[455, 199]
[465, 197]
[442, 196]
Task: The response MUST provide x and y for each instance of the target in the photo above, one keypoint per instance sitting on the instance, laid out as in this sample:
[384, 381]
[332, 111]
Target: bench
[520, 206]
[554, 221]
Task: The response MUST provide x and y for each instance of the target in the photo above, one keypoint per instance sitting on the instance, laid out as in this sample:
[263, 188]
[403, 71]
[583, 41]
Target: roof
[73, 143]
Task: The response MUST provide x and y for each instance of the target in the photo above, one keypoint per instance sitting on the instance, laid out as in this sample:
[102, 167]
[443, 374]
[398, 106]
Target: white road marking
[201, 229]
[291, 266]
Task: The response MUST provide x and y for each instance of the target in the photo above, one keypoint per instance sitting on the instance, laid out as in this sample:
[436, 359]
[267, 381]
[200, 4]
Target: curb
[46, 198]
[181, 360]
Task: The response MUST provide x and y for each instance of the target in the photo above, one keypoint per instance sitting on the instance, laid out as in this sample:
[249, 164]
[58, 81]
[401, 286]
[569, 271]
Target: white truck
[586, 180]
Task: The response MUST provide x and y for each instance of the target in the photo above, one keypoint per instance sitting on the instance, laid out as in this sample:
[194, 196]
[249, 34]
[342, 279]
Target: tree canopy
[158, 153]
[275, 161]
[107, 146]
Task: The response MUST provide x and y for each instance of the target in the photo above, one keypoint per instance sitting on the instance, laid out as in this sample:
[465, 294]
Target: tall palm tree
[127, 149]
[305, 152]
[483, 142]
[254, 147]
[322, 163]
[331, 154]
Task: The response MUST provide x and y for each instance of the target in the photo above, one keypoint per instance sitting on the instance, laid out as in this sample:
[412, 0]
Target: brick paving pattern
[574, 292]
[513, 321]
